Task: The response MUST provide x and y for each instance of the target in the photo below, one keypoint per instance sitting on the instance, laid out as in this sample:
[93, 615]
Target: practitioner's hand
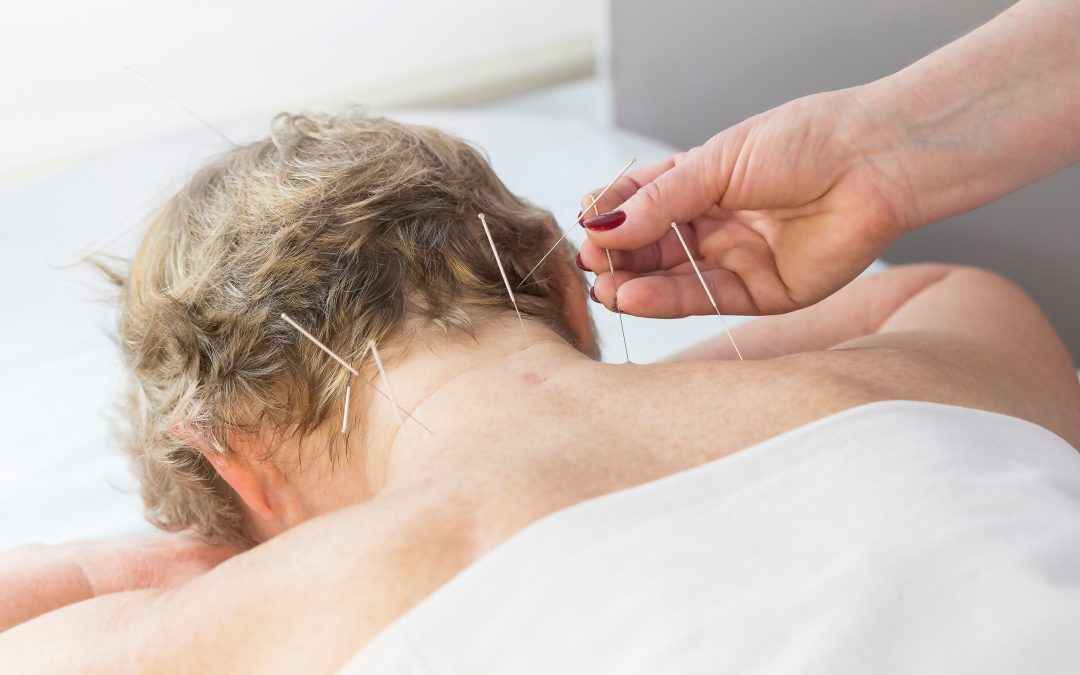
[780, 211]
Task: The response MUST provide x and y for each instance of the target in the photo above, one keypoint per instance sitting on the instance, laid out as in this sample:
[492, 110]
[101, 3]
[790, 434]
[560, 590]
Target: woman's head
[358, 227]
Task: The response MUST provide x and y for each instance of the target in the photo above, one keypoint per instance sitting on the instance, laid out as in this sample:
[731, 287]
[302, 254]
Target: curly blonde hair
[359, 228]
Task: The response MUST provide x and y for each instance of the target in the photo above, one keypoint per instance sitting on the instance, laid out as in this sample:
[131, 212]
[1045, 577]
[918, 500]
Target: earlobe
[253, 482]
[247, 483]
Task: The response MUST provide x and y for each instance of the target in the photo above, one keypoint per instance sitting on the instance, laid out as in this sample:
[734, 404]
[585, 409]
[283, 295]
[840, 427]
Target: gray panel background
[683, 70]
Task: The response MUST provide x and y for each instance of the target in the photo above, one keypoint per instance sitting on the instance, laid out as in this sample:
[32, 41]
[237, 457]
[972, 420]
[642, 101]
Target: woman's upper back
[379, 559]
[843, 530]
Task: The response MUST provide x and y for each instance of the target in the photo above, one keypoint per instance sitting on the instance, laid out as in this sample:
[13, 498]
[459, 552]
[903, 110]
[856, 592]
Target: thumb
[692, 186]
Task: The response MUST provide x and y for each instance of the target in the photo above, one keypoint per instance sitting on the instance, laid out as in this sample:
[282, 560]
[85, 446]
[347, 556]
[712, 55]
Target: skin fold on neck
[466, 389]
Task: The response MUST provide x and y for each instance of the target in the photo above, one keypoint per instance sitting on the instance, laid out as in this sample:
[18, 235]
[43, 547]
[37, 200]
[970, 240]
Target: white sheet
[895, 537]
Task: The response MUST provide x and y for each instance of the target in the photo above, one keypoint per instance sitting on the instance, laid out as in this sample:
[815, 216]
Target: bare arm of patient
[267, 610]
[859, 309]
[988, 343]
[36, 579]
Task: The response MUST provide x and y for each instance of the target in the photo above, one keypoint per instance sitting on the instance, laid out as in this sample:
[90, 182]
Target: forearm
[861, 308]
[983, 116]
[304, 601]
[37, 579]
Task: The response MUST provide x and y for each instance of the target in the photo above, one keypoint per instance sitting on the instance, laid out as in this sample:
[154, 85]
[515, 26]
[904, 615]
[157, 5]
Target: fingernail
[592, 294]
[615, 303]
[580, 264]
[605, 221]
[592, 205]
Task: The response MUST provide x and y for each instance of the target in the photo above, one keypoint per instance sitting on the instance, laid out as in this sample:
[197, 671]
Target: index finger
[626, 186]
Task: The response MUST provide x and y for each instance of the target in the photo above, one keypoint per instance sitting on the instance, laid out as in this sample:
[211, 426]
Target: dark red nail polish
[605, 221]
[615, 303]
[580, 264]
[592, 294]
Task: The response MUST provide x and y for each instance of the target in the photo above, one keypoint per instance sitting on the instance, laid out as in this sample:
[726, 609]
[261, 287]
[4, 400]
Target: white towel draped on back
[895, 537]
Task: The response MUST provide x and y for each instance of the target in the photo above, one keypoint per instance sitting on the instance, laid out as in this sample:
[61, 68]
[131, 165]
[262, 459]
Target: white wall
[65, 92]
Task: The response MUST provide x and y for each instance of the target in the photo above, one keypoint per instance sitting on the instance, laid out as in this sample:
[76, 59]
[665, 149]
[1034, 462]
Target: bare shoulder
[364, 566]
[969, 337]
[304, 601]
[976, 340]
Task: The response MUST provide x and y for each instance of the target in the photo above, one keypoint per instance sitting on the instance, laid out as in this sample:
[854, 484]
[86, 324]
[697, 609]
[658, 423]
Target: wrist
[879, 147]
[112, 567]
[939, 162]
[36, 579]
[985, 115]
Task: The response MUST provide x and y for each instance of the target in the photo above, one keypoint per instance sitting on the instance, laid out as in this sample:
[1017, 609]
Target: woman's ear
[269, 499]
[575, 309]
[574, 313]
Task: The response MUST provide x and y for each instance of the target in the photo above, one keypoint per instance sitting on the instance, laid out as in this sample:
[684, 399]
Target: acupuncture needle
[615, 285]
[345, 364]
[708, 293]
[345, 409]
[386, 383]
[506, 281]
[150, 83]
[582, 211]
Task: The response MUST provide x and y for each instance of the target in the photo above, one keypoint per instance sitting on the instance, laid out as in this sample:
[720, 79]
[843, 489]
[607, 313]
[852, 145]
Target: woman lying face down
[365, 229]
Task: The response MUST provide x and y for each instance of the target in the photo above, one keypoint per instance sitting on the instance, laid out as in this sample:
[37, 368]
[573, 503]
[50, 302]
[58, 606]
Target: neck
[468, 390]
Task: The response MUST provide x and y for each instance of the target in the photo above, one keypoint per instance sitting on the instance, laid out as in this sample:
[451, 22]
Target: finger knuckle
[651, 196]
